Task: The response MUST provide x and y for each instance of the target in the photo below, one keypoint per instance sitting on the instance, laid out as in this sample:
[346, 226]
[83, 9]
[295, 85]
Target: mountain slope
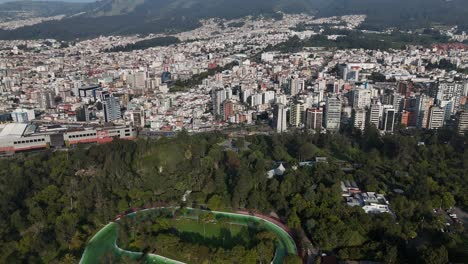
[153, 16]
[40, 8]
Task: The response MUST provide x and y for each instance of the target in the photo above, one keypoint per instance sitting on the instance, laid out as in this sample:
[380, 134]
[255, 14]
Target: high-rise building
[256, 99]
[279, 121]
[296, 114]
[375, 114]
[245, 94]
[423, 106]
[218, 96]
[405, 116]
[332, 113]
[448, 106]
[296, 85]
[398, 102]
[268, 97]
[436, 117]
[450, 90]
[388, 120]
[360, 98]
[359, 118]
[463, 122]
[229, 109]
[112, 109]
[314, 119]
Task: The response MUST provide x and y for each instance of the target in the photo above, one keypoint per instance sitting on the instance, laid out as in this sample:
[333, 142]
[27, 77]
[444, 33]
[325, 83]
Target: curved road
[105, 241]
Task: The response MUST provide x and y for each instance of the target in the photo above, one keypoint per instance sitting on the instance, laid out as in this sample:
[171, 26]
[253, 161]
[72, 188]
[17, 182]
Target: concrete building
[296, 85]
[360, 98]
[279, 120]
[388, 120]
[23, 115]
[314, 119]
[375, 114]
[450, 90]
[436, 117]
[359, 118]
[111, 107]
[296, 114]
[423, 106]
[463, 122]
[218, 96]
[332, 113]
[46, 100]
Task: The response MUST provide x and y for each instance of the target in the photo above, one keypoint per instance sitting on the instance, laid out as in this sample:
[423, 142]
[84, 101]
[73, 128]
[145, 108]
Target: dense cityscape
[285, 138]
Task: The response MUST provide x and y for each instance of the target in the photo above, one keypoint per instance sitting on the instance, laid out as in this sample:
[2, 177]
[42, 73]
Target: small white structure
[279, 171]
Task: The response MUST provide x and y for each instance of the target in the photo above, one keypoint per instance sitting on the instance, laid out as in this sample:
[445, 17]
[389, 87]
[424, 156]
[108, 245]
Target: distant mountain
[153, 16]
[65, 1]
[39, 8]
[402, 13]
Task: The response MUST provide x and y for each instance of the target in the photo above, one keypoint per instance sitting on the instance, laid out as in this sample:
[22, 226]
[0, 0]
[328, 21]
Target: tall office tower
[423, 106]
[359, 118]
[332, 113]
[296, 85]
[463, 122]
[112, 109]
[398, 102]
[448, 105]
[218, 96]
[388, 120]
[268, 97]
[228, 109]
[245, 94]
[279, 119]
[296, 114]
[360, 98]
[281, 99]
[436, 117]
[375, 114]
[449, 90]
[314, 119]
[256, 99]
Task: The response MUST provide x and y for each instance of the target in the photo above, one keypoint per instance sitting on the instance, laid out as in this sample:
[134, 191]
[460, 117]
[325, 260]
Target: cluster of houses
[370, 202]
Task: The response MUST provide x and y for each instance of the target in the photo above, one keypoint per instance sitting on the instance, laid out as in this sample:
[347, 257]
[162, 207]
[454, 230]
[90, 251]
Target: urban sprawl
[220, 76]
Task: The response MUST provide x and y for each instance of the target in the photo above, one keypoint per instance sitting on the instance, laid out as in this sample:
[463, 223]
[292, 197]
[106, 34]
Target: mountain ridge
[107, 17]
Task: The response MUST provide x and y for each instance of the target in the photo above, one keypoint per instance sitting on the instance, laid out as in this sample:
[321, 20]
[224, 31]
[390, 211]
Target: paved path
[105, 241]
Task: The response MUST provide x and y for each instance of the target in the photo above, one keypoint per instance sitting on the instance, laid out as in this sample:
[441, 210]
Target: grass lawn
[207, 230]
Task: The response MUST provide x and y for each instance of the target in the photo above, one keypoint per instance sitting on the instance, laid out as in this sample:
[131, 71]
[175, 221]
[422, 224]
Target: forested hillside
[107, 17]
[52, 203]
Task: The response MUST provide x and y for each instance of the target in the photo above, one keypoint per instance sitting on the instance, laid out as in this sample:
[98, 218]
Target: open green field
[207, 230]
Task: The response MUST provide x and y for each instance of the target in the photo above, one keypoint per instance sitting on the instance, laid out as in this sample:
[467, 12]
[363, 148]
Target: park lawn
[213, 229]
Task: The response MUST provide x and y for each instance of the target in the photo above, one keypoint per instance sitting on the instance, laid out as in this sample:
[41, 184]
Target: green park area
[163, 235]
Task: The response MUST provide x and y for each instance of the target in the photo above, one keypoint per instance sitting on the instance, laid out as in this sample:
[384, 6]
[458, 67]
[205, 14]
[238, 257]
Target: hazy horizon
[68, 1]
